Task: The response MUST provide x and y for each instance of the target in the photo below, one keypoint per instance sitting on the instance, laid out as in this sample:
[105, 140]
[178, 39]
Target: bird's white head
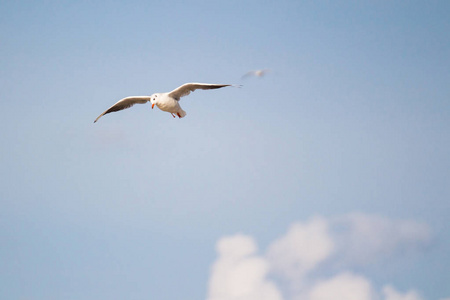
[154, 99]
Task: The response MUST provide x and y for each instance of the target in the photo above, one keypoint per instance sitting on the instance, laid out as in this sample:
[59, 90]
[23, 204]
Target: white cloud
[236, 247]
[239, 273]
[363, 239]
[301, 249]
[390, 293]
[308, 250]
[346, 286]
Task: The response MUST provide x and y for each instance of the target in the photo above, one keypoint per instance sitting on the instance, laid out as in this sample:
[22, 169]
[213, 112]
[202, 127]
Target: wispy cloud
[365, 239]
[289, 269]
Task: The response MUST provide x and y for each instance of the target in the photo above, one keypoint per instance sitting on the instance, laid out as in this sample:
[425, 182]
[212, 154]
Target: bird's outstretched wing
[125, 103]
[187, 88]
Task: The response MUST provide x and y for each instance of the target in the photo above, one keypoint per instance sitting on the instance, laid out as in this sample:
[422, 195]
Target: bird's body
[168, 102]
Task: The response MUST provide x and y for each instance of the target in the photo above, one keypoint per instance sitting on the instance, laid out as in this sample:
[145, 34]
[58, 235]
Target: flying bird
[164, 101]
[256, 73]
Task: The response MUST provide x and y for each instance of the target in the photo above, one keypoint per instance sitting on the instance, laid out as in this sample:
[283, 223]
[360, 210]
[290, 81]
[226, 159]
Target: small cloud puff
[390, 293]
[301, 249]
[236, 247]
[343, 286]
[239, 274]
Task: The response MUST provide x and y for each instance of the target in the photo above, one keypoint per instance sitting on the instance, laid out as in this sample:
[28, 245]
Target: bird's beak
[153, 105]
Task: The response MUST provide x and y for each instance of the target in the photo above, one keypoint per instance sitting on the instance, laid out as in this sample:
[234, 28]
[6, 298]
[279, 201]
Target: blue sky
[352, 120]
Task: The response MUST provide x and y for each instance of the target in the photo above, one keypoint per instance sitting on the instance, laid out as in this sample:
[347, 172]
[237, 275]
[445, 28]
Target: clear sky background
[339, 156]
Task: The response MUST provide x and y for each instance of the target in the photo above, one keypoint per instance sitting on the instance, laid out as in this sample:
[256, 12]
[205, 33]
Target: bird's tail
[181, 114]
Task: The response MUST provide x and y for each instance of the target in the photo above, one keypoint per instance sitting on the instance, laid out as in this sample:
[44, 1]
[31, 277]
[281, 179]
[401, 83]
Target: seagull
[165, 101]
[257, 73]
